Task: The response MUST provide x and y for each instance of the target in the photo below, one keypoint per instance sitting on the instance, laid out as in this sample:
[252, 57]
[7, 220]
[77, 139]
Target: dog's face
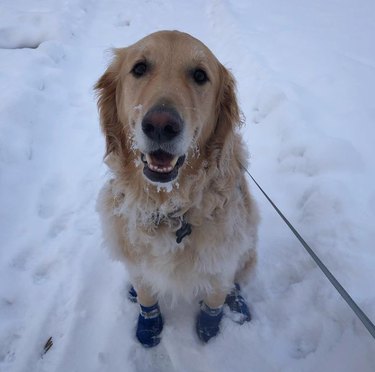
[168, 90]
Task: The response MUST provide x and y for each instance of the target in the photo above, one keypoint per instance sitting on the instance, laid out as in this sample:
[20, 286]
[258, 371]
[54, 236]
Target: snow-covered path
[306, 79]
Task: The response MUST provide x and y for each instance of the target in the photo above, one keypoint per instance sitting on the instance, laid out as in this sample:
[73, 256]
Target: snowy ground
[306, 79]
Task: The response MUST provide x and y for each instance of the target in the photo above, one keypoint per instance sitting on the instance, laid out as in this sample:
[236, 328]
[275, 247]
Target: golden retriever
[177, 211]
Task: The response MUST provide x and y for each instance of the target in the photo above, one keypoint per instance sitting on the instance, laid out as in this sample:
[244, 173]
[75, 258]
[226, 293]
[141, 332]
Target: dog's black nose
[162, 124]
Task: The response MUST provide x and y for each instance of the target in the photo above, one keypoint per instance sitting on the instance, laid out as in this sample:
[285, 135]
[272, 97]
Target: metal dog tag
[183, 231]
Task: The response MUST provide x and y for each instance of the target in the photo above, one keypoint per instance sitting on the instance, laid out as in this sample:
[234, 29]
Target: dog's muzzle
[162, 127]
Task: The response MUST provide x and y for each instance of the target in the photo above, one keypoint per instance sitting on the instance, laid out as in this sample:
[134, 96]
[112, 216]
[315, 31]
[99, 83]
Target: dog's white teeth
[174, 161]
[158, 168]
[155, 168]
[148, 159]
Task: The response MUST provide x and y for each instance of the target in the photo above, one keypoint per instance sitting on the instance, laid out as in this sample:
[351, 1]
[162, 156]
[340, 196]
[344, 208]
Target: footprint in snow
[59, 225]
[322, 155]
[42, 272]
[269, 99]
[48, 200]
[7, 348]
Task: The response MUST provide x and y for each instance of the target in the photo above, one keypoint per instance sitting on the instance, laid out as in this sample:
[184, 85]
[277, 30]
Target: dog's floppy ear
[106, 88]
[228, 119]
[228, 111]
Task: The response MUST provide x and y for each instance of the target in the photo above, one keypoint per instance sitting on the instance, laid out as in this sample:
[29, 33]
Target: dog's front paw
[150, 325]
[208, 322]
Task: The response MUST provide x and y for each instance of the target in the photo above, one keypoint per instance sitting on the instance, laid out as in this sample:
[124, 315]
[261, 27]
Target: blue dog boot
[132, 294]
[208, 322]
[239, 310]
[150, 325]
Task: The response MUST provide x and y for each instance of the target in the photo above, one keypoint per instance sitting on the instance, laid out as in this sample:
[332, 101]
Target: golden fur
[140, 218]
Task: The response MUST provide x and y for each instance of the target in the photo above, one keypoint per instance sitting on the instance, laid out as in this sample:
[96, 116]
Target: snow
[306, 78]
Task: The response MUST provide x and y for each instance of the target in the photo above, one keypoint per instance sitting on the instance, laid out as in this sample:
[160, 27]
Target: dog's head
[162, 99]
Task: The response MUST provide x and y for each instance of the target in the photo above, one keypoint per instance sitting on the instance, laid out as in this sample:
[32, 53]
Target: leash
[344, 294]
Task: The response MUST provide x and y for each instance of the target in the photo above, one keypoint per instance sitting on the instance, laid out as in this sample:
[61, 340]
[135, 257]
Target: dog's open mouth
[160, 166]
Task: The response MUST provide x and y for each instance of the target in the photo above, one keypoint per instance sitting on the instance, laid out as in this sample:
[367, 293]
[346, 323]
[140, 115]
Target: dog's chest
[156, 226]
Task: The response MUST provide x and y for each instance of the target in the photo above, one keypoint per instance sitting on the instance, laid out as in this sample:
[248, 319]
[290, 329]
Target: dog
[177, 211]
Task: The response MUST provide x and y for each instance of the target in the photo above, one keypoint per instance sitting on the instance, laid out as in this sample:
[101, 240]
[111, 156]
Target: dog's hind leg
[132, 294]
[239, 310]
[246, 267]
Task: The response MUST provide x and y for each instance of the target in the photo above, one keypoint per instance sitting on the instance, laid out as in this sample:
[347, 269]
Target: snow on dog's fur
[140, 215]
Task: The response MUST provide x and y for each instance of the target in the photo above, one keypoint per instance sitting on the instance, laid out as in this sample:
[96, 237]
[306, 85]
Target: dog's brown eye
[139, 69]
[200, 76]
